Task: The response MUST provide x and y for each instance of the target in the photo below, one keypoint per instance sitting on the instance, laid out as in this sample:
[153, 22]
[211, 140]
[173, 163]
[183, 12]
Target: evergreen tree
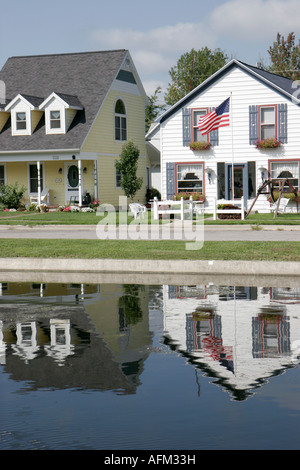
[285, 57]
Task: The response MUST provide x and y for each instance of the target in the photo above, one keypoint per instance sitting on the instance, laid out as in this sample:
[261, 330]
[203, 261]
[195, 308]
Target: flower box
[229, 215]
[199, 146]
[196, 196]
[268, 144]
[291, 196]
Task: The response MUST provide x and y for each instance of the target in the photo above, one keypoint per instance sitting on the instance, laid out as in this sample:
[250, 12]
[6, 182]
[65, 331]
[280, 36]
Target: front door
[71, 183]
[238, 178]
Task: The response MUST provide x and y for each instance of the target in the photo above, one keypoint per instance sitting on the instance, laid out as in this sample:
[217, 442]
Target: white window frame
[121, 117]
[53, 119]
[263, 125]
[15, 130]
[285, 164]
[54, 107]
[191, 165]
[195, 130]
[29, 179]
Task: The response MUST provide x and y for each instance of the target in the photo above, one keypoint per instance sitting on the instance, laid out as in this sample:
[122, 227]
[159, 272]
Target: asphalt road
[211, 233]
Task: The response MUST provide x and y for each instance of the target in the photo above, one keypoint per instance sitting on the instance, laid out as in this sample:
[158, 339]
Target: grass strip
[81, 218]
[156, 250]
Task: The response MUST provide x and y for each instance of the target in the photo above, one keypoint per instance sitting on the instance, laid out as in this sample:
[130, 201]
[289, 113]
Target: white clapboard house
[264, 110]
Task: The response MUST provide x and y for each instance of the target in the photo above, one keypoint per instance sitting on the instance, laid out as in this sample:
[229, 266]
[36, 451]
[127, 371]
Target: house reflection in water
[238, 335]
[74, 336]
[98, 337]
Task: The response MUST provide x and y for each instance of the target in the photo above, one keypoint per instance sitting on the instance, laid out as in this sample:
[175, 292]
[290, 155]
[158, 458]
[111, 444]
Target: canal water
[116, 366]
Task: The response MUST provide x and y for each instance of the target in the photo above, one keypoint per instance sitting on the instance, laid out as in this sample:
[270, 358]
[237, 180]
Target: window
[55, 120]
[196, 134]
[33, 178]
[189, 178]
[21, 121]
[285, 169]
[120, 121]
[118, 179]
[2, 175]
[267, 122]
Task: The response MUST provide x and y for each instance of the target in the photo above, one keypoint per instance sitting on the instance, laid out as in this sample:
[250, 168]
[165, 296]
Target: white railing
[181, 207]
[240, 203]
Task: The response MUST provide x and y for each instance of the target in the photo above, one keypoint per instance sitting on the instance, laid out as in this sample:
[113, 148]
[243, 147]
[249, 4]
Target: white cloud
[182, 36]
[155, 51]
[236, 26]
[256, 20]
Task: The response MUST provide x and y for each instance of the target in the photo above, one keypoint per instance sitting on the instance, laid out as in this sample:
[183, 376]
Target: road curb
[180, 267]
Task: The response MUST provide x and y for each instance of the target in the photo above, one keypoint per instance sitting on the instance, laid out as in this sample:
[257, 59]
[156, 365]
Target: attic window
[20, 121]
[55, 120]
[120, 121]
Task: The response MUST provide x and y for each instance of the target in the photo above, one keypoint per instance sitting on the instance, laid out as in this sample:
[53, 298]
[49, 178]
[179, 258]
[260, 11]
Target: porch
[55, 181]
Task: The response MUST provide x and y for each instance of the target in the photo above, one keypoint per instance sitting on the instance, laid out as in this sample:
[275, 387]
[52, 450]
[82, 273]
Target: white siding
[234, 145]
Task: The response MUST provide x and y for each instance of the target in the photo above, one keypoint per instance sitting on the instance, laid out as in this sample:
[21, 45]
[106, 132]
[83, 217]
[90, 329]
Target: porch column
[96, 180]
[80, 182]
[39, 180]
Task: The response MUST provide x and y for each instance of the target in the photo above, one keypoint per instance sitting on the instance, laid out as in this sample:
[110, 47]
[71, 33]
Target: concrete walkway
[145, 232]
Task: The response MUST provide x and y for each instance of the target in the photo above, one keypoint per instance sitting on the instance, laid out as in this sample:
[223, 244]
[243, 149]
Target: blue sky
[156, 33]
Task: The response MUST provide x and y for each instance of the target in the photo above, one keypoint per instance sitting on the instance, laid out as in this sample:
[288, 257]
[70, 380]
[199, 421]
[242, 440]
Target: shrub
[11, 195]
[151, 193]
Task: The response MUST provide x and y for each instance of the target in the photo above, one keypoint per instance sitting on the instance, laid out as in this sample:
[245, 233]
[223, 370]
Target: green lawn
[160, 250]
[80, 218]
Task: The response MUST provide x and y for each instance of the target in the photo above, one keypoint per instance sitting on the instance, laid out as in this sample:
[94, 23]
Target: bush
[151, 193]
[32, 208]
[11, 195]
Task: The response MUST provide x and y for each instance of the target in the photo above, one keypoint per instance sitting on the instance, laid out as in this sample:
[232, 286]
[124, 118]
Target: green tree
[285, 57]
[154, 108]
[127, 167]
[191, 69]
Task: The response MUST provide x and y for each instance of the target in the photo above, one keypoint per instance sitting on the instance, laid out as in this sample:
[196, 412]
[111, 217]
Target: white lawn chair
[282, 205]
[137, 209]
[44, 197]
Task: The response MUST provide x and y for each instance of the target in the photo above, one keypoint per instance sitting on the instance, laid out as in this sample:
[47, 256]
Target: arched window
[120, 121]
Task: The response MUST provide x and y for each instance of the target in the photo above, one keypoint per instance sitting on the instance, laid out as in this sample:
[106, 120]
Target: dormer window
[60, 110]
[55, 122]
[21, 121]
[25, 114]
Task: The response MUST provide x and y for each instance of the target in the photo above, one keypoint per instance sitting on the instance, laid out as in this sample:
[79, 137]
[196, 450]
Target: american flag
[219, 117]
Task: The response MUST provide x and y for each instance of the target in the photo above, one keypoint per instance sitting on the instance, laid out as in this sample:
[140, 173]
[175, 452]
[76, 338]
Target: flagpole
[232, 151]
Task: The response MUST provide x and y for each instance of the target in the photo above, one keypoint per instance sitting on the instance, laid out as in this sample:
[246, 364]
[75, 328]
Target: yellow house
[63, 121]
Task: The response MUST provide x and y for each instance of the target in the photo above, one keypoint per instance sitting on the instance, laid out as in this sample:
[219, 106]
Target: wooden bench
[180, 207]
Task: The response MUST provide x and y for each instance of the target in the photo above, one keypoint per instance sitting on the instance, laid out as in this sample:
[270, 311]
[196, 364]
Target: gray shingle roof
[83, 78]
[285, 84]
